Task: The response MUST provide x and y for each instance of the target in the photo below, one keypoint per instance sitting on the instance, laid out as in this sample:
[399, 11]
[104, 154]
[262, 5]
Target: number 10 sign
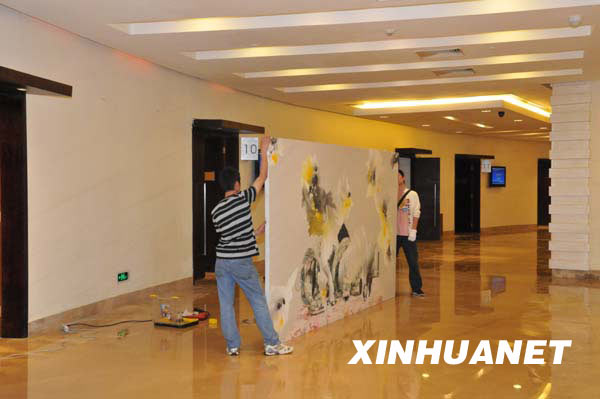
[249, 148]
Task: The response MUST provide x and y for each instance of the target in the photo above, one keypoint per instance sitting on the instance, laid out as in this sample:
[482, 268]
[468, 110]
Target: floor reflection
[489, 287]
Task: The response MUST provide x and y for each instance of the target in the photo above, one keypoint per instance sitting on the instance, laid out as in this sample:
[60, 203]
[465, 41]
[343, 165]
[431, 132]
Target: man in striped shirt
[237, 245]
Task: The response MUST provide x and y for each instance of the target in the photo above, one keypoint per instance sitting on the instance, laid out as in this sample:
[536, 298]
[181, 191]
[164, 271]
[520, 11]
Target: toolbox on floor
[169, 312]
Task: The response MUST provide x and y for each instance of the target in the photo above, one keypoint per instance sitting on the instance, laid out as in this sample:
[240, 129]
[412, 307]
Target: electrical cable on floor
[67, 327]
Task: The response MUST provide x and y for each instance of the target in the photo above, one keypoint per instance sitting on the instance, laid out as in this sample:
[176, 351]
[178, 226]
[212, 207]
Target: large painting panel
[331, 214]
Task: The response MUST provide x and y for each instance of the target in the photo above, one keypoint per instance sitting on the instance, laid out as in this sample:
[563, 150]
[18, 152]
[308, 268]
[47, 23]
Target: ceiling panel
[419, 19]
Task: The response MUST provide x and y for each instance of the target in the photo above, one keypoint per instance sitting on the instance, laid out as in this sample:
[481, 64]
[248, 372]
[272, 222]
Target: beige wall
[110, 169]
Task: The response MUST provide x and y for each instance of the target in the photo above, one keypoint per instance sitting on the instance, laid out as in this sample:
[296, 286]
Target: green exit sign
[123, 276]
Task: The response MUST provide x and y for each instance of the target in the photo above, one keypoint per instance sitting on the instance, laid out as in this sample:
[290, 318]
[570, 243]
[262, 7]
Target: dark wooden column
[14, 284]
[13, 182]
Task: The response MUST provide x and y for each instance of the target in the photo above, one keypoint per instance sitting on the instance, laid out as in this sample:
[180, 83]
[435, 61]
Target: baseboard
[586, 275]
[55, 322]
[498, 230]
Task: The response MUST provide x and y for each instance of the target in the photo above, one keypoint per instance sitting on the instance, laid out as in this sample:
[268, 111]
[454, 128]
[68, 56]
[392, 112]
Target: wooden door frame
[201, 129]
[14, 202]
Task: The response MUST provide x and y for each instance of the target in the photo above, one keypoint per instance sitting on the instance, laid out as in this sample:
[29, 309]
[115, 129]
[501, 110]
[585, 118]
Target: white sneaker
[233, 351]
[279, 349]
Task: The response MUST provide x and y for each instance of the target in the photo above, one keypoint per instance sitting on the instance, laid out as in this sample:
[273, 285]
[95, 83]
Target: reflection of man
[409, 211]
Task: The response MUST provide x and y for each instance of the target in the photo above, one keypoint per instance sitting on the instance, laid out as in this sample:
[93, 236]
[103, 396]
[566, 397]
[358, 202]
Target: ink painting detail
[331, 252]
[275, 152]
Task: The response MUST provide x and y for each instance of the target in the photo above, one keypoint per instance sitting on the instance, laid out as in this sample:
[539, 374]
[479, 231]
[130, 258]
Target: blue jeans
[412, 258]
[242, 271]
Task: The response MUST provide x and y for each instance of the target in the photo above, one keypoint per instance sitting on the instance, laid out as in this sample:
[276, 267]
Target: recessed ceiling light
[450, 118]
[495, 60]
[518, 120]
[459, 131]
[486, 110]
[426, 82]
[481, 125]
[383, 116]
[425, 125]
[543, 128]
[509, 98]
[517, 386]
[424, 375]
[387, 44]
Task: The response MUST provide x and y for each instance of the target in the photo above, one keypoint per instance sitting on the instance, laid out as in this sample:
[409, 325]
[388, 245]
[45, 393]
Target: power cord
[67, 327]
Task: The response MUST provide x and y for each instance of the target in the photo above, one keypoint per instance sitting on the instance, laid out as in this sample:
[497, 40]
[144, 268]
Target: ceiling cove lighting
[503, 59]
[436, 81]
[385, 14]
[395, 44]
[509, 98]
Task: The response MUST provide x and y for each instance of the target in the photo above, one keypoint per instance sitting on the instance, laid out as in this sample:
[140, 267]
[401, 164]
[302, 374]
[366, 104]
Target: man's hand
[412, 235]
[260, 229]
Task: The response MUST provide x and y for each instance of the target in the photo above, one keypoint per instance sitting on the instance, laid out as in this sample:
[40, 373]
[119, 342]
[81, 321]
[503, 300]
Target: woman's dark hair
[228, 177]
[401, 172]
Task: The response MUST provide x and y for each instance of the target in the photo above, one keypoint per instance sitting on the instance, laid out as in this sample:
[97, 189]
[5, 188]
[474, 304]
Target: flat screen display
[498, 176]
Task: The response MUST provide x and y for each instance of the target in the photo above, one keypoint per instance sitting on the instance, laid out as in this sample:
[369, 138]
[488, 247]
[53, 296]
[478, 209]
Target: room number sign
[249, 148]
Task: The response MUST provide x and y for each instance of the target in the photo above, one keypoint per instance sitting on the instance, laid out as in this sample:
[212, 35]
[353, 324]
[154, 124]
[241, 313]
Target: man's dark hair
[401, 172]
[228, 177]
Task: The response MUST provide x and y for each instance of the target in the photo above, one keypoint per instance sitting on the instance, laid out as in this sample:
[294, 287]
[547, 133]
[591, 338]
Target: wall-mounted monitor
[498, 176]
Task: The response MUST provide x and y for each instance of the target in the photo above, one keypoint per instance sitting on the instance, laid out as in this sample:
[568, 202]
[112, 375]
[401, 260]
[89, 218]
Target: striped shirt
[233, 223]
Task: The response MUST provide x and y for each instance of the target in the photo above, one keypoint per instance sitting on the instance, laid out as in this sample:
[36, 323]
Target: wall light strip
[509, 98]
[397, 44]
[503, 59]
[406, 13]
[425, 82]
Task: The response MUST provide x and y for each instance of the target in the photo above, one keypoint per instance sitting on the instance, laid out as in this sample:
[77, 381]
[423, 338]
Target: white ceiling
[350, 51]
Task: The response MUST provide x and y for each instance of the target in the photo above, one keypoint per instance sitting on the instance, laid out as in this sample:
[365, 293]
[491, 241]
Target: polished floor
[492, 287]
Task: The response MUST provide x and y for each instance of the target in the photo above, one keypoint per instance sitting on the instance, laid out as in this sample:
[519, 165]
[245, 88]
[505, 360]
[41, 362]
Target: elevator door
[215, 145]
[426, 182]
[218, 152]
[543, 192]
[467, 188]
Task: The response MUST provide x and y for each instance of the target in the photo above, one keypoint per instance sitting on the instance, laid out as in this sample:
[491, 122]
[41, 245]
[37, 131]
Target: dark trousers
[412, 257]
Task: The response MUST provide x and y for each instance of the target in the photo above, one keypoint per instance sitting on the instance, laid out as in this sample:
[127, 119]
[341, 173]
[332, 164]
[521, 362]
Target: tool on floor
[167, 312]
[199, 313]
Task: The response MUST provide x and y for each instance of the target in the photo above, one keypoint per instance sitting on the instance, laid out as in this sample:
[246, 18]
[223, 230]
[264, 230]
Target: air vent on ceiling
[454, 72]
[443, 53]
